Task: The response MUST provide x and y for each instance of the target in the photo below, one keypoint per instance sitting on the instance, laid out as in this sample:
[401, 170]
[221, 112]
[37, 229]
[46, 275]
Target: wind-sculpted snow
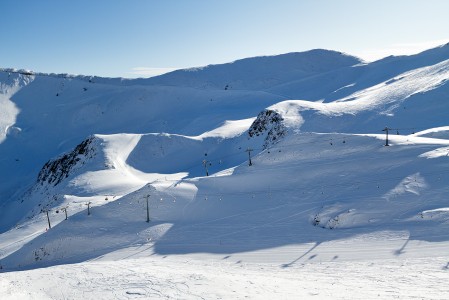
[384, 98]
[438, 132]
[391, 93]
[341, 83]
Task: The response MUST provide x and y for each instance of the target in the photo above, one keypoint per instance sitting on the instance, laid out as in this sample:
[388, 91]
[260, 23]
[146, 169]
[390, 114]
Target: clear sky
[138, 38]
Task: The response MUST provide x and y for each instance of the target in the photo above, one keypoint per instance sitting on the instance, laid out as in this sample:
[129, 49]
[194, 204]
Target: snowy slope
[352, 200]
[300, 187]
[62, 113]
[258, 73]
[63, 110]
[352, 183]
[343, 82]
[196, 279]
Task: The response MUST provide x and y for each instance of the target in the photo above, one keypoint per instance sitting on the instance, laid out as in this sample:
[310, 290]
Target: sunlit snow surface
[326, 211]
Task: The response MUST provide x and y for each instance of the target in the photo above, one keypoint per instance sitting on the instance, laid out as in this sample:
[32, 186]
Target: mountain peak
[259, 72]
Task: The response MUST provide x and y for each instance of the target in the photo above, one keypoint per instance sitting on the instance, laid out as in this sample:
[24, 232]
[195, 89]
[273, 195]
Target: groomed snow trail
[155, 278]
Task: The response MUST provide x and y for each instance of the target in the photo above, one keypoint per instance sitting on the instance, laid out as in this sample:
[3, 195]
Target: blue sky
[138, 38]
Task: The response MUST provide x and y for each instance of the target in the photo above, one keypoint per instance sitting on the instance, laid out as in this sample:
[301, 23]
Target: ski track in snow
[154, 278]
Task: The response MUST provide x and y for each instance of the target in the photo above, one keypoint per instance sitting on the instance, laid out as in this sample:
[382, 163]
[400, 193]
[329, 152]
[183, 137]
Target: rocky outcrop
[270, 125]
[54, 171]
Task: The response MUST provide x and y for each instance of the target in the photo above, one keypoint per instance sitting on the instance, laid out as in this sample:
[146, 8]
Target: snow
[442, 132]
[400, 87]
[259, 73]
[290, 112]
[411, 184]
[133, 279]
[389, 95]
[9, 111]
[439, 152]
[325, 210]
[197, 225]
[229, 129]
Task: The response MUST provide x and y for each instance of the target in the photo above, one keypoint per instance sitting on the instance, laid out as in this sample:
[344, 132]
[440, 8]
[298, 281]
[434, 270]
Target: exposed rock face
[270, 124]
[54, 171]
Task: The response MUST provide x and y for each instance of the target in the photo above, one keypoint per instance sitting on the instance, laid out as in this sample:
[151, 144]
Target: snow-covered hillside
[270, 164]
[259, 73]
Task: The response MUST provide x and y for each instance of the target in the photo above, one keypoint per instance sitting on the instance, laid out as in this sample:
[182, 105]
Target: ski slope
[383, 235]
[218, 279]
[324, 210]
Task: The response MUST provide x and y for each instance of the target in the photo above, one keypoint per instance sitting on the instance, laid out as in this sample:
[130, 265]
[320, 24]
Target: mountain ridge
[77, 107]
[219, 165]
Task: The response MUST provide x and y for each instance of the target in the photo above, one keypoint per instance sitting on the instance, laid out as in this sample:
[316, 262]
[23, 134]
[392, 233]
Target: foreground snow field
[207, 277]
[250, 195]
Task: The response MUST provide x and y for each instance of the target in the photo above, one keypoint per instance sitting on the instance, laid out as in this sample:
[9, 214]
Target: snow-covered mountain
[259, 73]
[272, 160]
